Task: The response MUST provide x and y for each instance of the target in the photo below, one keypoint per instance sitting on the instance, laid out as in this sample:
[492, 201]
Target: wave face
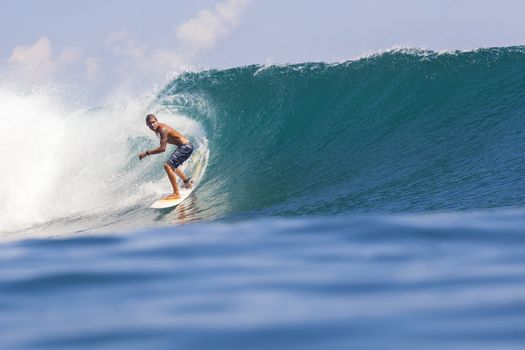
[402, 131]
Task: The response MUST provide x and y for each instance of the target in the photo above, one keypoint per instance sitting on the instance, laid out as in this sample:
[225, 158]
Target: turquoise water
[398, 132]
[369, 204]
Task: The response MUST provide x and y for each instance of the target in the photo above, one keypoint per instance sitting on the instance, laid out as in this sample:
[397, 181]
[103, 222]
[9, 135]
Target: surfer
[184, 149]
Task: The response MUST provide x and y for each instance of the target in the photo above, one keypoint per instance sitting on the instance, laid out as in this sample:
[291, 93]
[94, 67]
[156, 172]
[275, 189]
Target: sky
[100, 44]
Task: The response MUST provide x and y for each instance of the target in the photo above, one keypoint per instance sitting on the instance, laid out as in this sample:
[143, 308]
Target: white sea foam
[61, 162]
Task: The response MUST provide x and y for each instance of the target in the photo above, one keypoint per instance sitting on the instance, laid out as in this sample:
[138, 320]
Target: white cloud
[140, 63]
[40, 62]
[70, 55]
[203, 31]
[165, 59]
[36, 63]
[122, 44]
[139, 57]
[34, 60]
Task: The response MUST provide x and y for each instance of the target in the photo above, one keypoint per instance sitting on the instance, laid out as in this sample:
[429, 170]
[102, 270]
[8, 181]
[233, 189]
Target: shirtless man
[184, 149]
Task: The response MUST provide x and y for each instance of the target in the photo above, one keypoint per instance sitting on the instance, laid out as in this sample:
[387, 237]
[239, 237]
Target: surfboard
[168, 203]
[196, 166]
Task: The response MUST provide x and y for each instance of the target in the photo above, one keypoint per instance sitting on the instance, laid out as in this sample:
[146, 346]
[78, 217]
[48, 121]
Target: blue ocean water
[368, 204]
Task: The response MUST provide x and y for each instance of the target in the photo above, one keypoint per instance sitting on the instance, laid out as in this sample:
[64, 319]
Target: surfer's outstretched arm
[160, 149]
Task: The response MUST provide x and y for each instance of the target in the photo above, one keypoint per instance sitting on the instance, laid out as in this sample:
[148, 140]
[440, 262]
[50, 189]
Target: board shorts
[181, 154]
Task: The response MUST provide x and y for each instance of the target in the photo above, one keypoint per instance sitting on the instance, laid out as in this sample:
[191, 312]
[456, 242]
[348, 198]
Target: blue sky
[100, 43]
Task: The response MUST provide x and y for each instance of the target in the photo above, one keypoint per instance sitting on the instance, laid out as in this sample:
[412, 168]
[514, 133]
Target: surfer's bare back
[184, 149]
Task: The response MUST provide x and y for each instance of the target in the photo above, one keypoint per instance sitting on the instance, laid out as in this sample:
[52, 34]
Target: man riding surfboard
[184, 149]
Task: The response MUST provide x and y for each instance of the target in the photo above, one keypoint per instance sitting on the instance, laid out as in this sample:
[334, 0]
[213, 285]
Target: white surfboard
[168, 203]
[196, 165]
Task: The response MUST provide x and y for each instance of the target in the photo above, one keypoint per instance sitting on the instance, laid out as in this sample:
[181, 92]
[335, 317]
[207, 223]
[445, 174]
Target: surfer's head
[152, 122]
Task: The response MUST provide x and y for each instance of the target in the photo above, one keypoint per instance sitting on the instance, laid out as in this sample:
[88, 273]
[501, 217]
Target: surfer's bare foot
[172, 196]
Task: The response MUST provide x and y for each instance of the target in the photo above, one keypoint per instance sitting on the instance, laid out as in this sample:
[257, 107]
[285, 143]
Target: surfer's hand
[142, 155]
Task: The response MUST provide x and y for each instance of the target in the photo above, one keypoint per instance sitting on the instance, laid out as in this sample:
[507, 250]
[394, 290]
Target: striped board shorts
[181, 154]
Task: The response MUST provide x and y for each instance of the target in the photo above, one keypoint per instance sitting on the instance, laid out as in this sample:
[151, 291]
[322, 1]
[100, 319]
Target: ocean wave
[402, 131]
